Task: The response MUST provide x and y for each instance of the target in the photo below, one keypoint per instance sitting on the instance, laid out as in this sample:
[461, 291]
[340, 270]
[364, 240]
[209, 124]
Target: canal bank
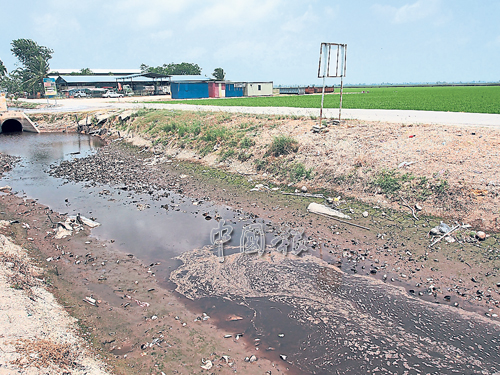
[158, 209]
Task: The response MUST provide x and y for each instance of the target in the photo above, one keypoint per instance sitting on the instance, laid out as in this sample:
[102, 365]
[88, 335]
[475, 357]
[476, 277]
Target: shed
[293, 90]
[189, 89]
[235, 89]
[216, 89]
[259, 89]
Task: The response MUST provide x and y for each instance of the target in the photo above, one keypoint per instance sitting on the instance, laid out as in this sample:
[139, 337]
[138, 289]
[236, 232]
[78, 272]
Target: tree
[184, 69]
[36, 71]
[12, 82]
[173, 69]
[3, 69]
[35, 63]
[26, 50]
[219, 74]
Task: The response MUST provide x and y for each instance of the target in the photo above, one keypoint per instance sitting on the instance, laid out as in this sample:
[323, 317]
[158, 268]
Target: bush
[282, 145]
[388, 181]
[299, 172]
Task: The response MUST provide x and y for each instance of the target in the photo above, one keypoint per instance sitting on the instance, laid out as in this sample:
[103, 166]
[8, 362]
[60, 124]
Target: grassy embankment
[246, 139]
[473, 99]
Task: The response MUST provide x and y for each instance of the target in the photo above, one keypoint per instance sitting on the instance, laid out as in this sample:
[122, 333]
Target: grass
[299, 172]
[473, 99]
[282, 145]
[393, 183]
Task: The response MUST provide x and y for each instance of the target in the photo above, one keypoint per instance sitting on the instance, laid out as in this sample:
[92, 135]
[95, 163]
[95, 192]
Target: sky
[388, 41]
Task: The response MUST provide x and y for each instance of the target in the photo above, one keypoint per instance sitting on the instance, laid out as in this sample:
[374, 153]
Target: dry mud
[37, 333]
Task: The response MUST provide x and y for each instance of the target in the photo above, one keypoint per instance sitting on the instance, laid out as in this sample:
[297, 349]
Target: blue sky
[267, 40]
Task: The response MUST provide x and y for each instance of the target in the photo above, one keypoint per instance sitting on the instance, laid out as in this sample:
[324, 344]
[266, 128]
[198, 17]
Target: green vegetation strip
[473, 99]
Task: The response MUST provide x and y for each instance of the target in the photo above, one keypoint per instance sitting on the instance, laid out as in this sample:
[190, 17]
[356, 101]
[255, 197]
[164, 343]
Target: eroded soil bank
[449, 171]
[394, 251]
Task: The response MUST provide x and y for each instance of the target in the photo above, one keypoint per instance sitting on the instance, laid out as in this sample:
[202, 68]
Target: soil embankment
[449, 172]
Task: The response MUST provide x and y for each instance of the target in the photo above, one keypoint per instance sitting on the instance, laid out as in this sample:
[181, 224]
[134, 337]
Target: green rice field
[474, 99]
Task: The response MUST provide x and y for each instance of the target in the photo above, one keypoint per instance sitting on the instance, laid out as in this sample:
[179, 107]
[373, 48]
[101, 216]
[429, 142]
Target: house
[258, 89]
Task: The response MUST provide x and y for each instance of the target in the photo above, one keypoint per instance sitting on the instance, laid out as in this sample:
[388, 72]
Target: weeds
[299, 172]
[282, 145]
[227, 154]
[243, 156]
[246, 142]
[388, 181]
[392, 181]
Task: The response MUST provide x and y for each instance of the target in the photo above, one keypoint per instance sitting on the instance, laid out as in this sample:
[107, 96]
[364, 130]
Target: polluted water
[296, 309]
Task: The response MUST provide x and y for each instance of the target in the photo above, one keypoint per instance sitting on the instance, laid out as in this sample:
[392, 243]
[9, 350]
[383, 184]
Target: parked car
[112, 94]
[80, 94]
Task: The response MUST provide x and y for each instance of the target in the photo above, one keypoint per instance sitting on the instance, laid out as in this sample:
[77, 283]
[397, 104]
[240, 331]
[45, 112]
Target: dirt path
[371, 115]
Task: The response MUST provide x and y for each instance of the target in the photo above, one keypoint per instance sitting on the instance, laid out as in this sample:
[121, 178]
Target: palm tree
[35, 73]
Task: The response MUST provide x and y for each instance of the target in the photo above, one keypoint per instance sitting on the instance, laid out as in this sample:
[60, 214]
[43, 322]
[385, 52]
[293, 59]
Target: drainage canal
[300, 311]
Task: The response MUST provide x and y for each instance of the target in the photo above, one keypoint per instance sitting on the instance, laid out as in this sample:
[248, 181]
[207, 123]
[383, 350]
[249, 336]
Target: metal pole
[341, 90]
[325, 69]
[322, 100]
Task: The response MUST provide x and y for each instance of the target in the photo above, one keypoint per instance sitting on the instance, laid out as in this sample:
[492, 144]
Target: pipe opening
[12, 126]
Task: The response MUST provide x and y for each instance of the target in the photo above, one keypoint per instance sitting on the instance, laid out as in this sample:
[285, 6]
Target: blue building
[189, 89]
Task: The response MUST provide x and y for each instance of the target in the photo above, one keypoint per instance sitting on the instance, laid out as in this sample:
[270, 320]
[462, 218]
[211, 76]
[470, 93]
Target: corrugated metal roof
[180, 78]
[97, 71]
[100, 79]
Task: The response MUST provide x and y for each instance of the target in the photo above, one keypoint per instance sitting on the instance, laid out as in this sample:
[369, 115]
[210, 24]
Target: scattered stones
[449, 239]
[207, 365]
[444, 228]
[480, 235]
[303, 189]
[324, 210]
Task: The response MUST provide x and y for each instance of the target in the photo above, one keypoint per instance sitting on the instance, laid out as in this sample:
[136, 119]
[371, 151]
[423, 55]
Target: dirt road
[379, 115]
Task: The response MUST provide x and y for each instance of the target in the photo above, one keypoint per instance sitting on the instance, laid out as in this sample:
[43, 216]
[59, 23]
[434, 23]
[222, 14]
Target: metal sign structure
[337, 53]
[49, 85]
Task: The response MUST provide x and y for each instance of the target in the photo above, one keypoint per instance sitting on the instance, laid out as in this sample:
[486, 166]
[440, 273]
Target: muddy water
[316, 317]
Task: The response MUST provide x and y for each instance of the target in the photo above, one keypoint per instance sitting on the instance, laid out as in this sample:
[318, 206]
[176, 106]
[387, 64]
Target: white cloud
[49, 26]
[161, 35]
[234, 12]
[298, 24]
[143, 14]
[419, 10]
